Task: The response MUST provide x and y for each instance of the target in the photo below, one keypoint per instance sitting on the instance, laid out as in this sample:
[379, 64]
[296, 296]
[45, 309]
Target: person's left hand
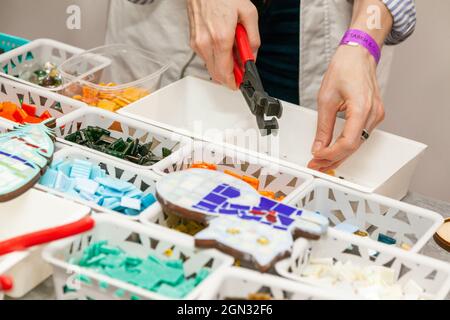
[349, 85]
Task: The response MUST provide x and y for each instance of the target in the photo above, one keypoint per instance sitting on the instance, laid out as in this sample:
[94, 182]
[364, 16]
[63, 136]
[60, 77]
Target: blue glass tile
[228, 211]
[240, 207]
[266, 203]
[231, 192]
[215, 198]
[284, 209]
[219, 188]
[284, 220]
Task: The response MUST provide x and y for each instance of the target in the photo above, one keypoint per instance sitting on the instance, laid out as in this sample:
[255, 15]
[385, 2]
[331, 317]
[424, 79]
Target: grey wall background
[417, 100]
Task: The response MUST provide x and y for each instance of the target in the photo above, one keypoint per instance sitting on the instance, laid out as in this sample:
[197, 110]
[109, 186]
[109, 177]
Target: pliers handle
[248, 81]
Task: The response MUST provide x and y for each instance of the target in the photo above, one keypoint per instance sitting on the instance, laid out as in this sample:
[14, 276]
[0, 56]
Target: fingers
[223, 61]
[350, 138]
[328, 107]
[248, 16]
[213, 25]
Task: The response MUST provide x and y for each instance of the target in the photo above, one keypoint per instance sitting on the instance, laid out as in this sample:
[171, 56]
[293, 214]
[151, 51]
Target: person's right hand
[212, 31]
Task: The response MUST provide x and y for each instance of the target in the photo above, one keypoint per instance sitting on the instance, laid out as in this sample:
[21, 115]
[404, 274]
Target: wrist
[372, 17]
[361, 39]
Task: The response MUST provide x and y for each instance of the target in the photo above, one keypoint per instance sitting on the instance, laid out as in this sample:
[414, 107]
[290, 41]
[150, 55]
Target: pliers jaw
[265, 108]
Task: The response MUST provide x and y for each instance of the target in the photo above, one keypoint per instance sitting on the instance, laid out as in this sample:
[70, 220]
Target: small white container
[373, 213]
[240, 282]
[136, 239]
[432, 275]
[42, 99]
[121, 66]
[384, 164]
[7, 262]
[143, 180]
[120, 127]
[22, 215]
[37, 52]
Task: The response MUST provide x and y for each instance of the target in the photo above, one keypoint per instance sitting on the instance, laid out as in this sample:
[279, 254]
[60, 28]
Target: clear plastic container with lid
[113, 76]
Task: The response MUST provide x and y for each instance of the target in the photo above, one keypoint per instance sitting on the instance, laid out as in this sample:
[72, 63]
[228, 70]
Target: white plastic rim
[80, 113]
[267, 280]
[282, 267]
[51, 252]
[31, 46]
[71, 152]
[435, 218]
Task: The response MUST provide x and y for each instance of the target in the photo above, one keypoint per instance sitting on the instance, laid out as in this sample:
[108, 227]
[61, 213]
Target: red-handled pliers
[248, 81]
[45, 236]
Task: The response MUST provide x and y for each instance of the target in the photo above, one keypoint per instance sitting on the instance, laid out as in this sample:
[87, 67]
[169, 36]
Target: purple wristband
[358, 37]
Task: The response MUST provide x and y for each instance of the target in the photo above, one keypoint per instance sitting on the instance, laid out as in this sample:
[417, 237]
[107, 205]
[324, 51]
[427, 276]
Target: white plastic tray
[37, 51]
[21, 215]
[143, 180]
[430, 274]
[120, 232]
[203, 110]
[120, 127]
[239, 283]
[43, 100]
[370, 212]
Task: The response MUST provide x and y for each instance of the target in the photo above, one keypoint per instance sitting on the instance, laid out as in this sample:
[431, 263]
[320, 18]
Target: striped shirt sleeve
[404, 15]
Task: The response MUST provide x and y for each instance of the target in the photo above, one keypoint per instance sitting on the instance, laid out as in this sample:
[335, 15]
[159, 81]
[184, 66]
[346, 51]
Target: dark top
[278, 56]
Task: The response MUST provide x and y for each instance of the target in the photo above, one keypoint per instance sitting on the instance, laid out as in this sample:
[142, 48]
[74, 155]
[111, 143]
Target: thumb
[327, 112]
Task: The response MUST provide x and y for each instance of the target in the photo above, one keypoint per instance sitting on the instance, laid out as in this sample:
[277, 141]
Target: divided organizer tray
[372, 213]
[207, 111]
[42, 99]
[143, 180]
[432, 275]
[135, 239]
[120, 127]
[238, 283]
[37, 52]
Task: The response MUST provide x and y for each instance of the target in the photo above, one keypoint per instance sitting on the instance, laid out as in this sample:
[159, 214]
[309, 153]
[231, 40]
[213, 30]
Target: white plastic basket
[143, 180]
[430, 274]
[38, 51]
[43, 100]
[239, 283]
[135, 239]
[120, 127]
[273, 177]
[373, 213]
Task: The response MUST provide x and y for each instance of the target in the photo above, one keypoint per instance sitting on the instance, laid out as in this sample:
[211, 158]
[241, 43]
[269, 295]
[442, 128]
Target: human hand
[212, 32]
[349, 85]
